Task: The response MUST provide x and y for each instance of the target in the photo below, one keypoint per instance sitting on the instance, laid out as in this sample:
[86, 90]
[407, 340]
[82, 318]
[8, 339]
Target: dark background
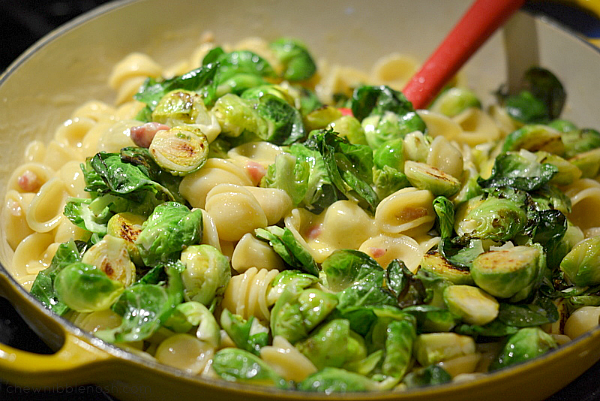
[22, 22]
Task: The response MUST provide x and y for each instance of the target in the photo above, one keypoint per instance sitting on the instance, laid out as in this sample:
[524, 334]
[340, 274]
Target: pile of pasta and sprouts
[250, 215]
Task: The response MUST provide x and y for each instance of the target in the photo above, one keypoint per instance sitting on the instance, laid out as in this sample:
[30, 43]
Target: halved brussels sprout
[472, 304]
[580, 140]
[86, 288]
[491, 218]
[582, 264]
[321, 117]
[567, 171]
[237, 365]
[535, 137]
[424, 176]
[454, 101]
[432, 348]
[128, 227]
[333, 344]
[335, 380]
[504, 273]
[380, 129]
[111, 256]
[526, 344]
[179, 107]
[588, 162]
[206, 275]
[437, 265]
[180, 150]
[297, 62]
[350, 128]
[296, 314]
[417, 146]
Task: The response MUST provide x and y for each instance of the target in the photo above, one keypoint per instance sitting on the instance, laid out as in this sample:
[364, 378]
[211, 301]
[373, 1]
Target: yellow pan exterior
[71, 65]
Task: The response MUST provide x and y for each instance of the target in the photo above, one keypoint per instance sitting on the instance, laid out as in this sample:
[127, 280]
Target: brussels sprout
[567, 171]
[562, 125]
[580, 140]
[291, 280]
[588, 162]
[535, 137]
[472, 304]
[416, 146]
[427, 376]
[334, 380]
[193, 314]
[388, 180]
[296, 314]
[111, 256]
[503, 273]
[206, 275]
[390, 154]
[333, 344]
[491, 218]
[321, 117]
[541, 99]
[380, 129]
[432, 348]
[298, 64]
[237, 365]
[180, 150]
[381, 100]
[432, 319]
[179, 107]
[346, 266]
[424, 176]
[86, 288]
[437, 265]
[582, 264]
[236, 115]
[167, 231]
[519, 171]
[401, 336]
[350, 128]
[249, 335]
[275, 90]
[527, 343]
[128, 227]
[454, 101]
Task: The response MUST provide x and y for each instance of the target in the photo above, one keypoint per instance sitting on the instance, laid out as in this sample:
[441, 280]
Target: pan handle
[72, 365]
[77, 360]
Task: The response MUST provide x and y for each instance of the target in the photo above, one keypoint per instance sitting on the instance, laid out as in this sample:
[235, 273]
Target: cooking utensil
[480, 21]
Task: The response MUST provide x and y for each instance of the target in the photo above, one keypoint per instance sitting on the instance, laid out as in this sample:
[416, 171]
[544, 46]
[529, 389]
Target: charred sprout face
[180, 150]
[424, 176]
[533, 138]
[491, 218]
[505, 273]
[437, 265]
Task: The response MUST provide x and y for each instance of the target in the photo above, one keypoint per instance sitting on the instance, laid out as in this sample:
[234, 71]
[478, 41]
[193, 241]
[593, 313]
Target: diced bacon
[345, 111]
[314, 231]
[142, 135]
[377, 252]
[29, 181]
[256, 171]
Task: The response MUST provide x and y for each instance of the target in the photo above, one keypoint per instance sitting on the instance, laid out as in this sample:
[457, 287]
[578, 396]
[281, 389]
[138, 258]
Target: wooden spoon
[480, 21]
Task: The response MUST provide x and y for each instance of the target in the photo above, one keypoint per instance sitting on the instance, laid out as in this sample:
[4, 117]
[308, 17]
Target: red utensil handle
[479, 22]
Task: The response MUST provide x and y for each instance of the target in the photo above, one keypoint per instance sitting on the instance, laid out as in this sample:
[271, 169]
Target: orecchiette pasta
[235, 211]
[408, 211]
[246, 295]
